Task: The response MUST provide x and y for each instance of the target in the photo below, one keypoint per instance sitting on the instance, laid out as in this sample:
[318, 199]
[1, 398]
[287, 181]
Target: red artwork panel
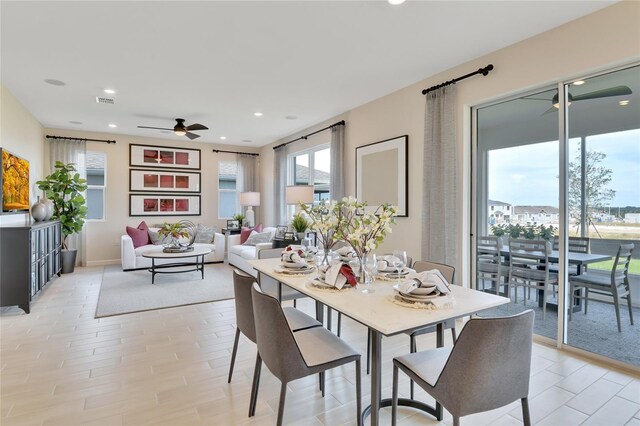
[166, 181]
[150, 204]
[166, 205]
[182, 181]
[150, 181]
[166, 157]
[182, 158]
[182, 205]
[151, 156]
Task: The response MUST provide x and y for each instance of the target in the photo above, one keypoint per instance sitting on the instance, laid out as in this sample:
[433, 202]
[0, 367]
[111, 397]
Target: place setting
[423, 290]
[393, 267]
[336, 277]
[294, 262]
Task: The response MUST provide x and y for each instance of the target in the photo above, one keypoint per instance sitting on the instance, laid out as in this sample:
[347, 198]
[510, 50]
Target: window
[96, 165]
[227, 189]
[318, 160]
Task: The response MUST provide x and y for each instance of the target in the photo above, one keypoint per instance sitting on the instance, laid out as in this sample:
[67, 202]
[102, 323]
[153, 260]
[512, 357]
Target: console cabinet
[29, 258]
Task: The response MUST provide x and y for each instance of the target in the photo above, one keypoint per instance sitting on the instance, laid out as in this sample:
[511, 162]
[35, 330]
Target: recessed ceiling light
[112, 125]
[109, 91]
[395, 2]
[54, 82]
[291, 117]
[624, 103]
[257, 114]
[578, 83]
[247, 140]
[223, 137]
[75, 122]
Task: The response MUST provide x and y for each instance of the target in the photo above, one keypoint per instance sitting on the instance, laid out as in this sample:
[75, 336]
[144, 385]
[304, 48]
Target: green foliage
[546, 232]
[174, 230]
[498, 230]
[515, 230]
[300, 223]
[239, 217]
[530, 232]
[64, 188]
[598, 178]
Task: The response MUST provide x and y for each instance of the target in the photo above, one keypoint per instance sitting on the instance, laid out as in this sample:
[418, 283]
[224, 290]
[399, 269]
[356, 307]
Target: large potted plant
[300, 225]
[64, 188]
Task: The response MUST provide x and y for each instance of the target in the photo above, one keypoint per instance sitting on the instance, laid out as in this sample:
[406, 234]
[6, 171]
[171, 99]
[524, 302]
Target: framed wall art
[164, 181]
[166, 157]
[164, 205]
[382, 174]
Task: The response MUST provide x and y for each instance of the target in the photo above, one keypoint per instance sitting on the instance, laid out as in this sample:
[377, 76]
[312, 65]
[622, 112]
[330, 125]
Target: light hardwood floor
[60, 366]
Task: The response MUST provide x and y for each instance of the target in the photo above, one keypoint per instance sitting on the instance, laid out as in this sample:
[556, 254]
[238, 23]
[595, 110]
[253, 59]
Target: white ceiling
[217, 63]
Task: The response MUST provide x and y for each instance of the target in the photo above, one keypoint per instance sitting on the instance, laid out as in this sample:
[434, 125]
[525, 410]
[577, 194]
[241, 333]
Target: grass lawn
[634, 266]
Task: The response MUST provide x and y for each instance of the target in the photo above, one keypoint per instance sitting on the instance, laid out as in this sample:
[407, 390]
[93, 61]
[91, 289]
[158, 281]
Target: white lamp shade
[249, 198]
[299, 194]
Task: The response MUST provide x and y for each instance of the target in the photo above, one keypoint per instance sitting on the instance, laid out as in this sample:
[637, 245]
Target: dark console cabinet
[29, 258]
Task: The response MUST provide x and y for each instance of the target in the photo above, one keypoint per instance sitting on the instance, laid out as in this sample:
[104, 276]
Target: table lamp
[250, 199]
[296, 194]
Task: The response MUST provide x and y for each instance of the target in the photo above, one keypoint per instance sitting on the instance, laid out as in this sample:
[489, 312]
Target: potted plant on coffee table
[64, 187]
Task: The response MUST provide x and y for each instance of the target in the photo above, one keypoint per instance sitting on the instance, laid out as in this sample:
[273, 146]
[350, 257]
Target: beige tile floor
[60, 366]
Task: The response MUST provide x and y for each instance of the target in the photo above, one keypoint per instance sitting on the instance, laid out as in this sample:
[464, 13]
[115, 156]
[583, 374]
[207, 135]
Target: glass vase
[367, 266]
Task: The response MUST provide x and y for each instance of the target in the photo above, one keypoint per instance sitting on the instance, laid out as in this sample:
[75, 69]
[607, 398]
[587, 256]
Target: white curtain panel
[440, 195]
[71, 151]
[336, 187]
[247, 176]
[279, 185]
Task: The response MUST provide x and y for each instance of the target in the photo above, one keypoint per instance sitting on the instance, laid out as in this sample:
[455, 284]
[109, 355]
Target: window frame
[103, 186]
[311, 153]
[225, 190]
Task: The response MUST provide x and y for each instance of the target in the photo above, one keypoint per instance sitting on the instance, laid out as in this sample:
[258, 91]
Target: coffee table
[181, 261]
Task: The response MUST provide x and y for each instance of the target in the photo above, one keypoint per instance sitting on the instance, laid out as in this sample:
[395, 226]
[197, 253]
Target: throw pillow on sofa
[205, 234]
[158, 239]
[257, 238]
[139, 235]
[244, 234]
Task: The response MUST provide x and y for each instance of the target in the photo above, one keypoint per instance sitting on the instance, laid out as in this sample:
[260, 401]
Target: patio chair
[615, 285]
[293, 355]
[245, 323]
[490, 266]
[529, 268]
[576, 245]
[487, 368]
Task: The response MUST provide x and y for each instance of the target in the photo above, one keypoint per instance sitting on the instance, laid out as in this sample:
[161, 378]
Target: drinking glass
[370, 269]
[401, 255]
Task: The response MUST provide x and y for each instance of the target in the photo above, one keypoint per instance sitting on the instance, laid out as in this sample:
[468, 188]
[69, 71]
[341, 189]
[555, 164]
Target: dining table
[384, 316]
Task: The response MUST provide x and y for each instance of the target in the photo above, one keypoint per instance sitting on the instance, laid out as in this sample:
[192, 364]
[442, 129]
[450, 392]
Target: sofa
[131, 258]
[240, 254]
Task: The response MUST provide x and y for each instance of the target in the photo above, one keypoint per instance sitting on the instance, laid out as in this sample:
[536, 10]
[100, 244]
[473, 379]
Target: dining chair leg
[283, 395]
[358, 392]
[454, 334]
[629, 305]
[255, 385]
[294, 303]
[616, 305]
[570, 304]
[339, 323]
[394, 396]
[544, 302]
[526, 418]
[456, 419]
[586, 299]
[233, 354]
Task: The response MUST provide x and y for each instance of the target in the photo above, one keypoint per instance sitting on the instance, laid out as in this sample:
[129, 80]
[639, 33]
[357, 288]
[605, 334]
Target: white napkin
[293, 258]
[332, 276]
[426, 279]
[346, 252]
[385, 264]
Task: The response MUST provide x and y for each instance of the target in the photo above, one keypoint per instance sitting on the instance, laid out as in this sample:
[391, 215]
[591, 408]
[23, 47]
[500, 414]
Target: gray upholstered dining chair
[245, 323]
[292, 355]
[273, 287]
[490, 266]
[615, 285]
[487, 368]
[529, 267]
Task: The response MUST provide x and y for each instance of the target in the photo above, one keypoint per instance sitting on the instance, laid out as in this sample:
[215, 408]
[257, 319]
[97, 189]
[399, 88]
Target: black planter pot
[69, 261]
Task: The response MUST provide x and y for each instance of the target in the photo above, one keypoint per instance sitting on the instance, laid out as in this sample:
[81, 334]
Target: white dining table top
[376, 310]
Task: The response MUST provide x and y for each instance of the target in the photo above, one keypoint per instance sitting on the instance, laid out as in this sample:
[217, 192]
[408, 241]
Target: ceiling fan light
[180, 132]
[556, 102]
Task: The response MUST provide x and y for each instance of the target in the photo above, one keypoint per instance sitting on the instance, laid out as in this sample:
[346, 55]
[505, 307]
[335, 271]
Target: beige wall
[605, 39]
[103, 237]
[21, 134]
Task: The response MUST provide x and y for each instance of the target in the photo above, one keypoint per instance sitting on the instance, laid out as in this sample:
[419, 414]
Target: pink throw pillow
[139, 235]
[244, 234]
[258, 228]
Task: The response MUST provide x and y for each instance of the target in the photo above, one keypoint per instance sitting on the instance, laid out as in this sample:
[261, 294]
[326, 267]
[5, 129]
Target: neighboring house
[499, 212]
[535, 215]
[632, 218]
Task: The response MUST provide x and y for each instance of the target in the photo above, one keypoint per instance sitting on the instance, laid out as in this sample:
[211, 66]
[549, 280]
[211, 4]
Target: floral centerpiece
[364, 231]
[324, 221]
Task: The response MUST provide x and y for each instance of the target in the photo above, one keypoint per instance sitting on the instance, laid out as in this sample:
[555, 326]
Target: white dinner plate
[417, 297]
[294, 265]
[305, 270]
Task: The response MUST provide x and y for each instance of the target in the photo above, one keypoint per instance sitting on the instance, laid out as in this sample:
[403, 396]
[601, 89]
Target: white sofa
[239, 254]
[131, 258]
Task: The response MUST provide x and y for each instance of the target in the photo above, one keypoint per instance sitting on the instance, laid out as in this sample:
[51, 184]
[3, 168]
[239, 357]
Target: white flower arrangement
[324, 220]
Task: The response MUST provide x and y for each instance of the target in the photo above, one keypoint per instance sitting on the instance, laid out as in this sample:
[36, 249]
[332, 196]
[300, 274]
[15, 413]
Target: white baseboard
[103, 262]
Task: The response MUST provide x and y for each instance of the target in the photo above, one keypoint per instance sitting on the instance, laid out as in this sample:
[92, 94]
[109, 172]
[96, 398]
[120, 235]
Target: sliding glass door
[518, 215]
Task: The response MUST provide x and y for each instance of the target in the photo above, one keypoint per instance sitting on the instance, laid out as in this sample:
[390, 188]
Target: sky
[528, 175]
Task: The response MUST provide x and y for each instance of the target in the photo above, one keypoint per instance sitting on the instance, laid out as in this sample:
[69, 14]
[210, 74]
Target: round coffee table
[198, 252]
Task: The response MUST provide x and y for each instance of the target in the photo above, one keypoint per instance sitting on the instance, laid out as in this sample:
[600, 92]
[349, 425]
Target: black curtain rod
[80, 139]
[339, 123]
[235, 152]
[483, 71]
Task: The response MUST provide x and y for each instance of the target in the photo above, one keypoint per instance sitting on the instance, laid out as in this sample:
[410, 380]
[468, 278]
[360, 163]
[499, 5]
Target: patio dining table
[383, 317]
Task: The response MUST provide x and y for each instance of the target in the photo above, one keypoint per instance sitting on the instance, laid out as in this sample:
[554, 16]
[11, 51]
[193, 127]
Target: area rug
[126, 292]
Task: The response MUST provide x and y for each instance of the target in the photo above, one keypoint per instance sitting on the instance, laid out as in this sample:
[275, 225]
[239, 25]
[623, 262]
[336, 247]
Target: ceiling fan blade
[604, 93]
[550, 110]
[192, 136]
[197, 126]
[155, 128]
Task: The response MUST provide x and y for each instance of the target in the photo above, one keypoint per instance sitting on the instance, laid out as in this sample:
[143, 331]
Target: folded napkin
[337, 275]
[386, 264]
[346, 252]
[425, 279]
[295, 258]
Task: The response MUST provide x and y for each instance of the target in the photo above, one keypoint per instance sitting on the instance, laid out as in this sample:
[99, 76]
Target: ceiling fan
[603, 93]
[180, 129]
